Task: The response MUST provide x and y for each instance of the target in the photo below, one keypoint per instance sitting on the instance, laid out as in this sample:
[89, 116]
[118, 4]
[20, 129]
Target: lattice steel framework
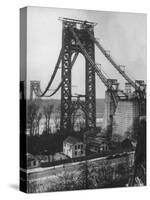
[69, 47]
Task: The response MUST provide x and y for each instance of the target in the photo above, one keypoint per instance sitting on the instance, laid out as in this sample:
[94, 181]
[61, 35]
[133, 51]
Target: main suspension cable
[52, 77]
[60, 84]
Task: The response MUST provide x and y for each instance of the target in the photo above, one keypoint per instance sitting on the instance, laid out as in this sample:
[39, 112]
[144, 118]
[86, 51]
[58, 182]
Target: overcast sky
[124, 34]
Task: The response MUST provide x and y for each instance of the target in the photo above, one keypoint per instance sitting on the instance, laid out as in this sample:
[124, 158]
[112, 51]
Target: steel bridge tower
[69, 47]
[34, 87]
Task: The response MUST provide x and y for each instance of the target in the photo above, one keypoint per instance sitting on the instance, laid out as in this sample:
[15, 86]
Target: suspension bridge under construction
[122, 107]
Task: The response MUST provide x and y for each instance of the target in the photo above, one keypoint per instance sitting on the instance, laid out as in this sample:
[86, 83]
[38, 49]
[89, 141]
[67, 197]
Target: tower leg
[66, 87]
[90, 88]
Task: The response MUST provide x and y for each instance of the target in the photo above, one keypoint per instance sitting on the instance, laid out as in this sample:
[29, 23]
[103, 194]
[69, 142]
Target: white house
[73, 148]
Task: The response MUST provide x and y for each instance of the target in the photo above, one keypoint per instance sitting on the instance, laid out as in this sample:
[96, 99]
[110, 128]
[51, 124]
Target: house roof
[29, 155]
[71, 140]
[96, 140]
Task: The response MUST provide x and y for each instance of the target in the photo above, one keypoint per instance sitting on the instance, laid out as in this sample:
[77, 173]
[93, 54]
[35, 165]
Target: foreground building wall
[71, 176]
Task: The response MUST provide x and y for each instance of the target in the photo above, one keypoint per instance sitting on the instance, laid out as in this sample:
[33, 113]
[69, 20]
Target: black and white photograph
[83, 80]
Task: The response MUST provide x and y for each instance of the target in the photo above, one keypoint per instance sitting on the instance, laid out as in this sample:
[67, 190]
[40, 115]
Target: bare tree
[32, 110]
[57, 118]
[47, 113]
[38, 119]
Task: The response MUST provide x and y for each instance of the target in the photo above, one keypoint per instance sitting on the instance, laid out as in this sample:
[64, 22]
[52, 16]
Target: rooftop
[72, 140]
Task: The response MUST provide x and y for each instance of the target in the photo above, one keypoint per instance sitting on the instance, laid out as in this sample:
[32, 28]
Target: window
[81, 152]
[81, 146]
[75, 146]
[75, 153]
[34, 162]
[78, 146]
